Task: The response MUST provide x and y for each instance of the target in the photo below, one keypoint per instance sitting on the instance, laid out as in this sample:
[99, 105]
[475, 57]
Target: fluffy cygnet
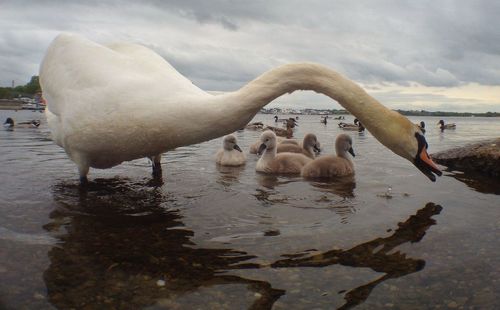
[310, 145]
[283, 163]
[330, 166]
[230, 154]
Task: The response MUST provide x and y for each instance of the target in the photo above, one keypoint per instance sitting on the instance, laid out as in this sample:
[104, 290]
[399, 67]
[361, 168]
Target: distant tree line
[28, 90]
[442, 113]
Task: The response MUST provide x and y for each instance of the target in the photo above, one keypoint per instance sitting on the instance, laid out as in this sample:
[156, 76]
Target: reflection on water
[116, 243]
[228, 174]
[373, 254]
[124, 245]
[478, 182]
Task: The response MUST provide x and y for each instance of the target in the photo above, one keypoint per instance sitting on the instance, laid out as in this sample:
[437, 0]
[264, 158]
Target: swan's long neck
[226, 113]
[384, 124]
[289, 78]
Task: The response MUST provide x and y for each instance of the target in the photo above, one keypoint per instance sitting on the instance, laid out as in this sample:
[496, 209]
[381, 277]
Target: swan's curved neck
[292, 77]
[241, 106]
[226, 113]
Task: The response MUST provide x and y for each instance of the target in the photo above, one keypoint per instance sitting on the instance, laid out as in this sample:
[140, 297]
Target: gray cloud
[222, 45]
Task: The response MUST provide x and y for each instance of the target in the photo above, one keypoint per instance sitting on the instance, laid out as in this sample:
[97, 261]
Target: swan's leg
[83, 170]
[83, 166]
[156, 165]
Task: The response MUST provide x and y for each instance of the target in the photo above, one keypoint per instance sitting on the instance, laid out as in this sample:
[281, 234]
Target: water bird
[230, 154]
[282, 163]
[357, 126]
[281, 132]
[444, 126]
[310, 146]
[421, 125]
[329, 166]
[9, 123]
[254, 147]
[107, 104]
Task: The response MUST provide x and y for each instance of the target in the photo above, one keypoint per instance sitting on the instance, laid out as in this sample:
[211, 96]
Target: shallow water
[212, 238]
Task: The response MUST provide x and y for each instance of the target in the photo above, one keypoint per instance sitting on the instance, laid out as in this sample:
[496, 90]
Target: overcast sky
[433, 55]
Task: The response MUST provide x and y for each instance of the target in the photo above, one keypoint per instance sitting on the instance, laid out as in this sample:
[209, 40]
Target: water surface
[219, 238]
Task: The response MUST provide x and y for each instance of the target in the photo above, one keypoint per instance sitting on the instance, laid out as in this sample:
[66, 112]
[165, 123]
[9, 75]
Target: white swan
[230, 154]
[109, 104]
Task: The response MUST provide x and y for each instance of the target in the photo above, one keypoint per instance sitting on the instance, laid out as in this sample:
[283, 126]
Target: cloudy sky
[432, 55]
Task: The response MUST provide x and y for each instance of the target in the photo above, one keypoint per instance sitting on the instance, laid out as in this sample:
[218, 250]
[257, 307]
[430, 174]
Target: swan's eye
[267, 140]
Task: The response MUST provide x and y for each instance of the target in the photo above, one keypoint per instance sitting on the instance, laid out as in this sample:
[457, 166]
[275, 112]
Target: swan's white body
[109, 104]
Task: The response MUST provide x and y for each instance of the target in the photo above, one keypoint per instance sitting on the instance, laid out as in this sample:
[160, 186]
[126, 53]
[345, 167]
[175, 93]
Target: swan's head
[343, 144]
[268, 141]
[441, 122]
[422, 159]
[229, 143]
[310, 141]
[407, 140]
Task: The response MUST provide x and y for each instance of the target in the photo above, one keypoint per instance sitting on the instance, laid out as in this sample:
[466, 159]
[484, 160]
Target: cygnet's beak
[236, 147]
[317, 149]
[423, 161]
[262, 147]
[351, 151]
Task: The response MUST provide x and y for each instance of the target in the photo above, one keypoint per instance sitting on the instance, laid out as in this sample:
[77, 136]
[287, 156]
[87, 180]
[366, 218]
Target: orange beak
[423, 161]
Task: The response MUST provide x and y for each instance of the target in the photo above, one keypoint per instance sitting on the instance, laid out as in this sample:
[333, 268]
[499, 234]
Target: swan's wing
[76, 71]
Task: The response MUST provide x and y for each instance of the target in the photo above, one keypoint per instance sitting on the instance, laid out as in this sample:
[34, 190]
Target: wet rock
[482, 157]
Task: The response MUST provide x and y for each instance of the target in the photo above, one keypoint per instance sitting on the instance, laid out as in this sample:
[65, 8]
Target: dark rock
[482, 157]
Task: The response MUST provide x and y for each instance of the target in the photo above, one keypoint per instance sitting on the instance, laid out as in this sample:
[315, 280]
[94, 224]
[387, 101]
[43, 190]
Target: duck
[107, 104]
[283, 163]
[444, 126]
[310, 146]
[421, 125]
[281, 132]
[230, 154]
[9, 123]
[329, 166]
[357, 126]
